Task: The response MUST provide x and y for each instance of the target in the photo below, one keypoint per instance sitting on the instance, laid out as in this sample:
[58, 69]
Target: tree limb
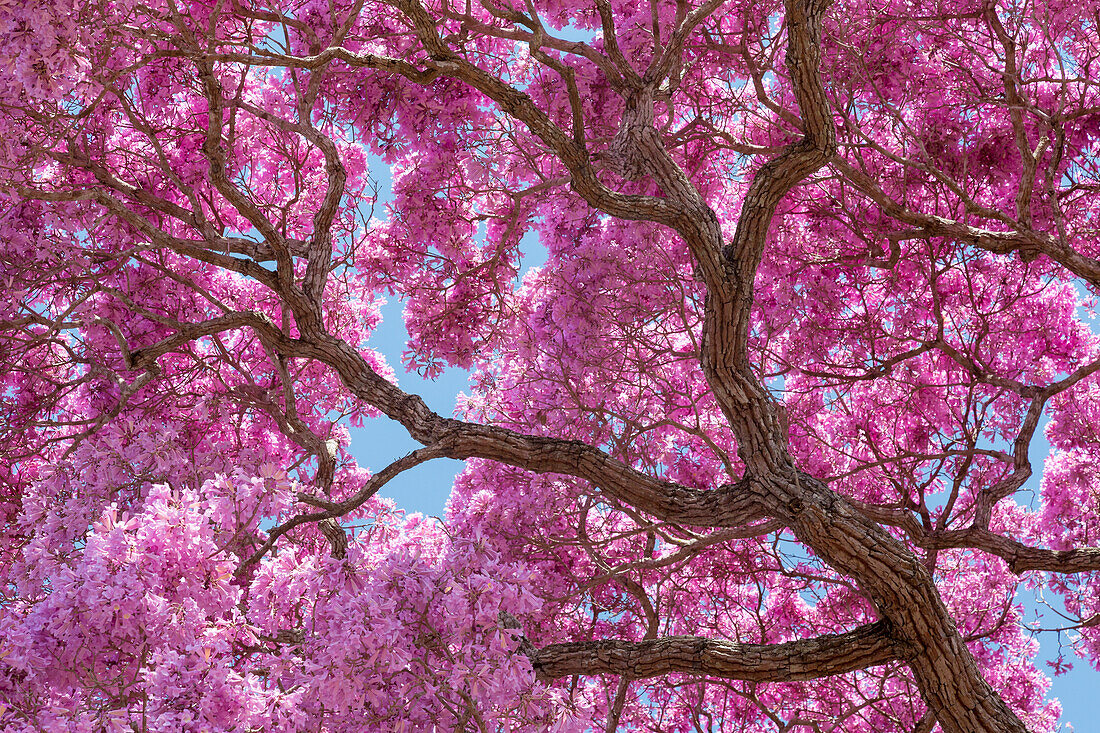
[805, 659]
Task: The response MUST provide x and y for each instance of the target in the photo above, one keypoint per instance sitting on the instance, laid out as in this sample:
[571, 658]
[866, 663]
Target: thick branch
[732, 505]
[805, 659]
[779, 175]
[1020, 557]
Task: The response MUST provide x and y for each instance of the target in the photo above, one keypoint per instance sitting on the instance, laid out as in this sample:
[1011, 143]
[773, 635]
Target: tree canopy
[751, 451]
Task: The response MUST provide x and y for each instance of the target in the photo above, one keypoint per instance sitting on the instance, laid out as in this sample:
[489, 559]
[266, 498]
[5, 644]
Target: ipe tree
[754, 450]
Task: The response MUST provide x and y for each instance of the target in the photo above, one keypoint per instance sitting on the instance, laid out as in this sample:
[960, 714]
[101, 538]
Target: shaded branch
[1027, 242]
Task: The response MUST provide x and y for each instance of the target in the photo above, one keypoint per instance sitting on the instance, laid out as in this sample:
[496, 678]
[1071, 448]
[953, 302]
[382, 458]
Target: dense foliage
[750, 452]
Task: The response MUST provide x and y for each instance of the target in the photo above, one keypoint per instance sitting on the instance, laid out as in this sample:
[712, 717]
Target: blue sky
[426, 488]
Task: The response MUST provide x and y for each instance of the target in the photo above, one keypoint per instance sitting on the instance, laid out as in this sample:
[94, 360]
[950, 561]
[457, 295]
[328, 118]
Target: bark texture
[805, 659]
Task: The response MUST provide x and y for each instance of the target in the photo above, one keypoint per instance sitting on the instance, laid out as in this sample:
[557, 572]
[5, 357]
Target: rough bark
[1020, 557]
[805, 659]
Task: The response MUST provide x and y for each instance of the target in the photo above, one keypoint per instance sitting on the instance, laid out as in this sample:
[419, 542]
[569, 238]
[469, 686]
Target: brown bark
[1020, 557]
[805, 659]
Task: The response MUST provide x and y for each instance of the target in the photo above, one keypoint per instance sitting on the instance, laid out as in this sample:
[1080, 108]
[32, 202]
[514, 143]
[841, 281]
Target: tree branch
[1027, 242]
[805, 659]
[1020, 557]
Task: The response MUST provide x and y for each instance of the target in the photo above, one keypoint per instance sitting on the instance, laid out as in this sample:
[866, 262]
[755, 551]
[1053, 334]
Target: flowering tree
[749, 452]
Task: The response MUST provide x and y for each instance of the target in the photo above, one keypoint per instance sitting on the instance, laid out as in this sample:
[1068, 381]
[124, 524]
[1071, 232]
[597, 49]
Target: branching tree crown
[750, 452]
